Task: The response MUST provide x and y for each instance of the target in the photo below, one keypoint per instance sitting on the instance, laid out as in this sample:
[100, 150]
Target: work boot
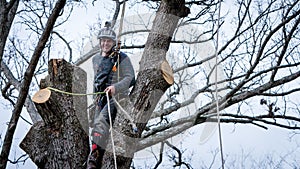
[96, 156]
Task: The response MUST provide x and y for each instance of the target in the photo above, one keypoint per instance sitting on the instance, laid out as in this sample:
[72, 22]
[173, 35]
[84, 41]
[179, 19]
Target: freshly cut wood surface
[41, 96]
[167, 72]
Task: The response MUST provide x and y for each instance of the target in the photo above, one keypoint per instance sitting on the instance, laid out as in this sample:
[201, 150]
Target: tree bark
[61, 139]
[27, 80]
[151, 84]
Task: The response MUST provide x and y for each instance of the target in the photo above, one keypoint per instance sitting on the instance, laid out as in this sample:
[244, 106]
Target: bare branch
[26, 82]
[160, 155]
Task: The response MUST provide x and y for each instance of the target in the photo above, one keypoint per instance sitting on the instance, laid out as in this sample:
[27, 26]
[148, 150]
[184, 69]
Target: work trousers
[101, 120]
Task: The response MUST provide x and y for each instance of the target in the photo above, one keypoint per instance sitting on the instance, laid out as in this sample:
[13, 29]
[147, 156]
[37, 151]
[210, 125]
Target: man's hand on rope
[111, 90]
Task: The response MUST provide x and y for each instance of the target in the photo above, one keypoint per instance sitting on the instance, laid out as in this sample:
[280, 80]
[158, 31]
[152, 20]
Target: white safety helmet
[107, 32]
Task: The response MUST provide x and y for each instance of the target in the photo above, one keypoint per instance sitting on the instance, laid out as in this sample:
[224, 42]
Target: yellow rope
[74, 94]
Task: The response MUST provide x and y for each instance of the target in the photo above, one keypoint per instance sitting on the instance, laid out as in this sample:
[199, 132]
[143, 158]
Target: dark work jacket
[122, 79]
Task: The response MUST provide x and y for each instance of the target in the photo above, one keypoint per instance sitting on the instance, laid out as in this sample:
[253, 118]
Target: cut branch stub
[167, 72]
[41, 96]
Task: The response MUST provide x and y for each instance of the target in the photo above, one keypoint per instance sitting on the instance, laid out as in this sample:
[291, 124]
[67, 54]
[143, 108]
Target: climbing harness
[216, 86]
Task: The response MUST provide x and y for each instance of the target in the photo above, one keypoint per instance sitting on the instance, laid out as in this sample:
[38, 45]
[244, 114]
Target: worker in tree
[114, 74]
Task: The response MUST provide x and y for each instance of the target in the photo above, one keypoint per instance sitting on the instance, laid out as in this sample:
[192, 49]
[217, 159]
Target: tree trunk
[61, 139]
[24, 88]
[152, 81]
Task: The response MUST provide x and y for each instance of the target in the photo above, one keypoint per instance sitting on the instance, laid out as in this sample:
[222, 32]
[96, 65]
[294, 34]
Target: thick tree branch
[151, 82]
[206, 114]
[26, 82]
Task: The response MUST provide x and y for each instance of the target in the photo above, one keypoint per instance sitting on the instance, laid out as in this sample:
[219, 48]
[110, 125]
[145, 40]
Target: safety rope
[119, 36]
[121, 21]
[134, 128]
[74, 94]
[118, 78]
[111, 130]
[216, 86]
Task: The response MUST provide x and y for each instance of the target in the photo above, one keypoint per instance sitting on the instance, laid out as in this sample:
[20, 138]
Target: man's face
[105, 45]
